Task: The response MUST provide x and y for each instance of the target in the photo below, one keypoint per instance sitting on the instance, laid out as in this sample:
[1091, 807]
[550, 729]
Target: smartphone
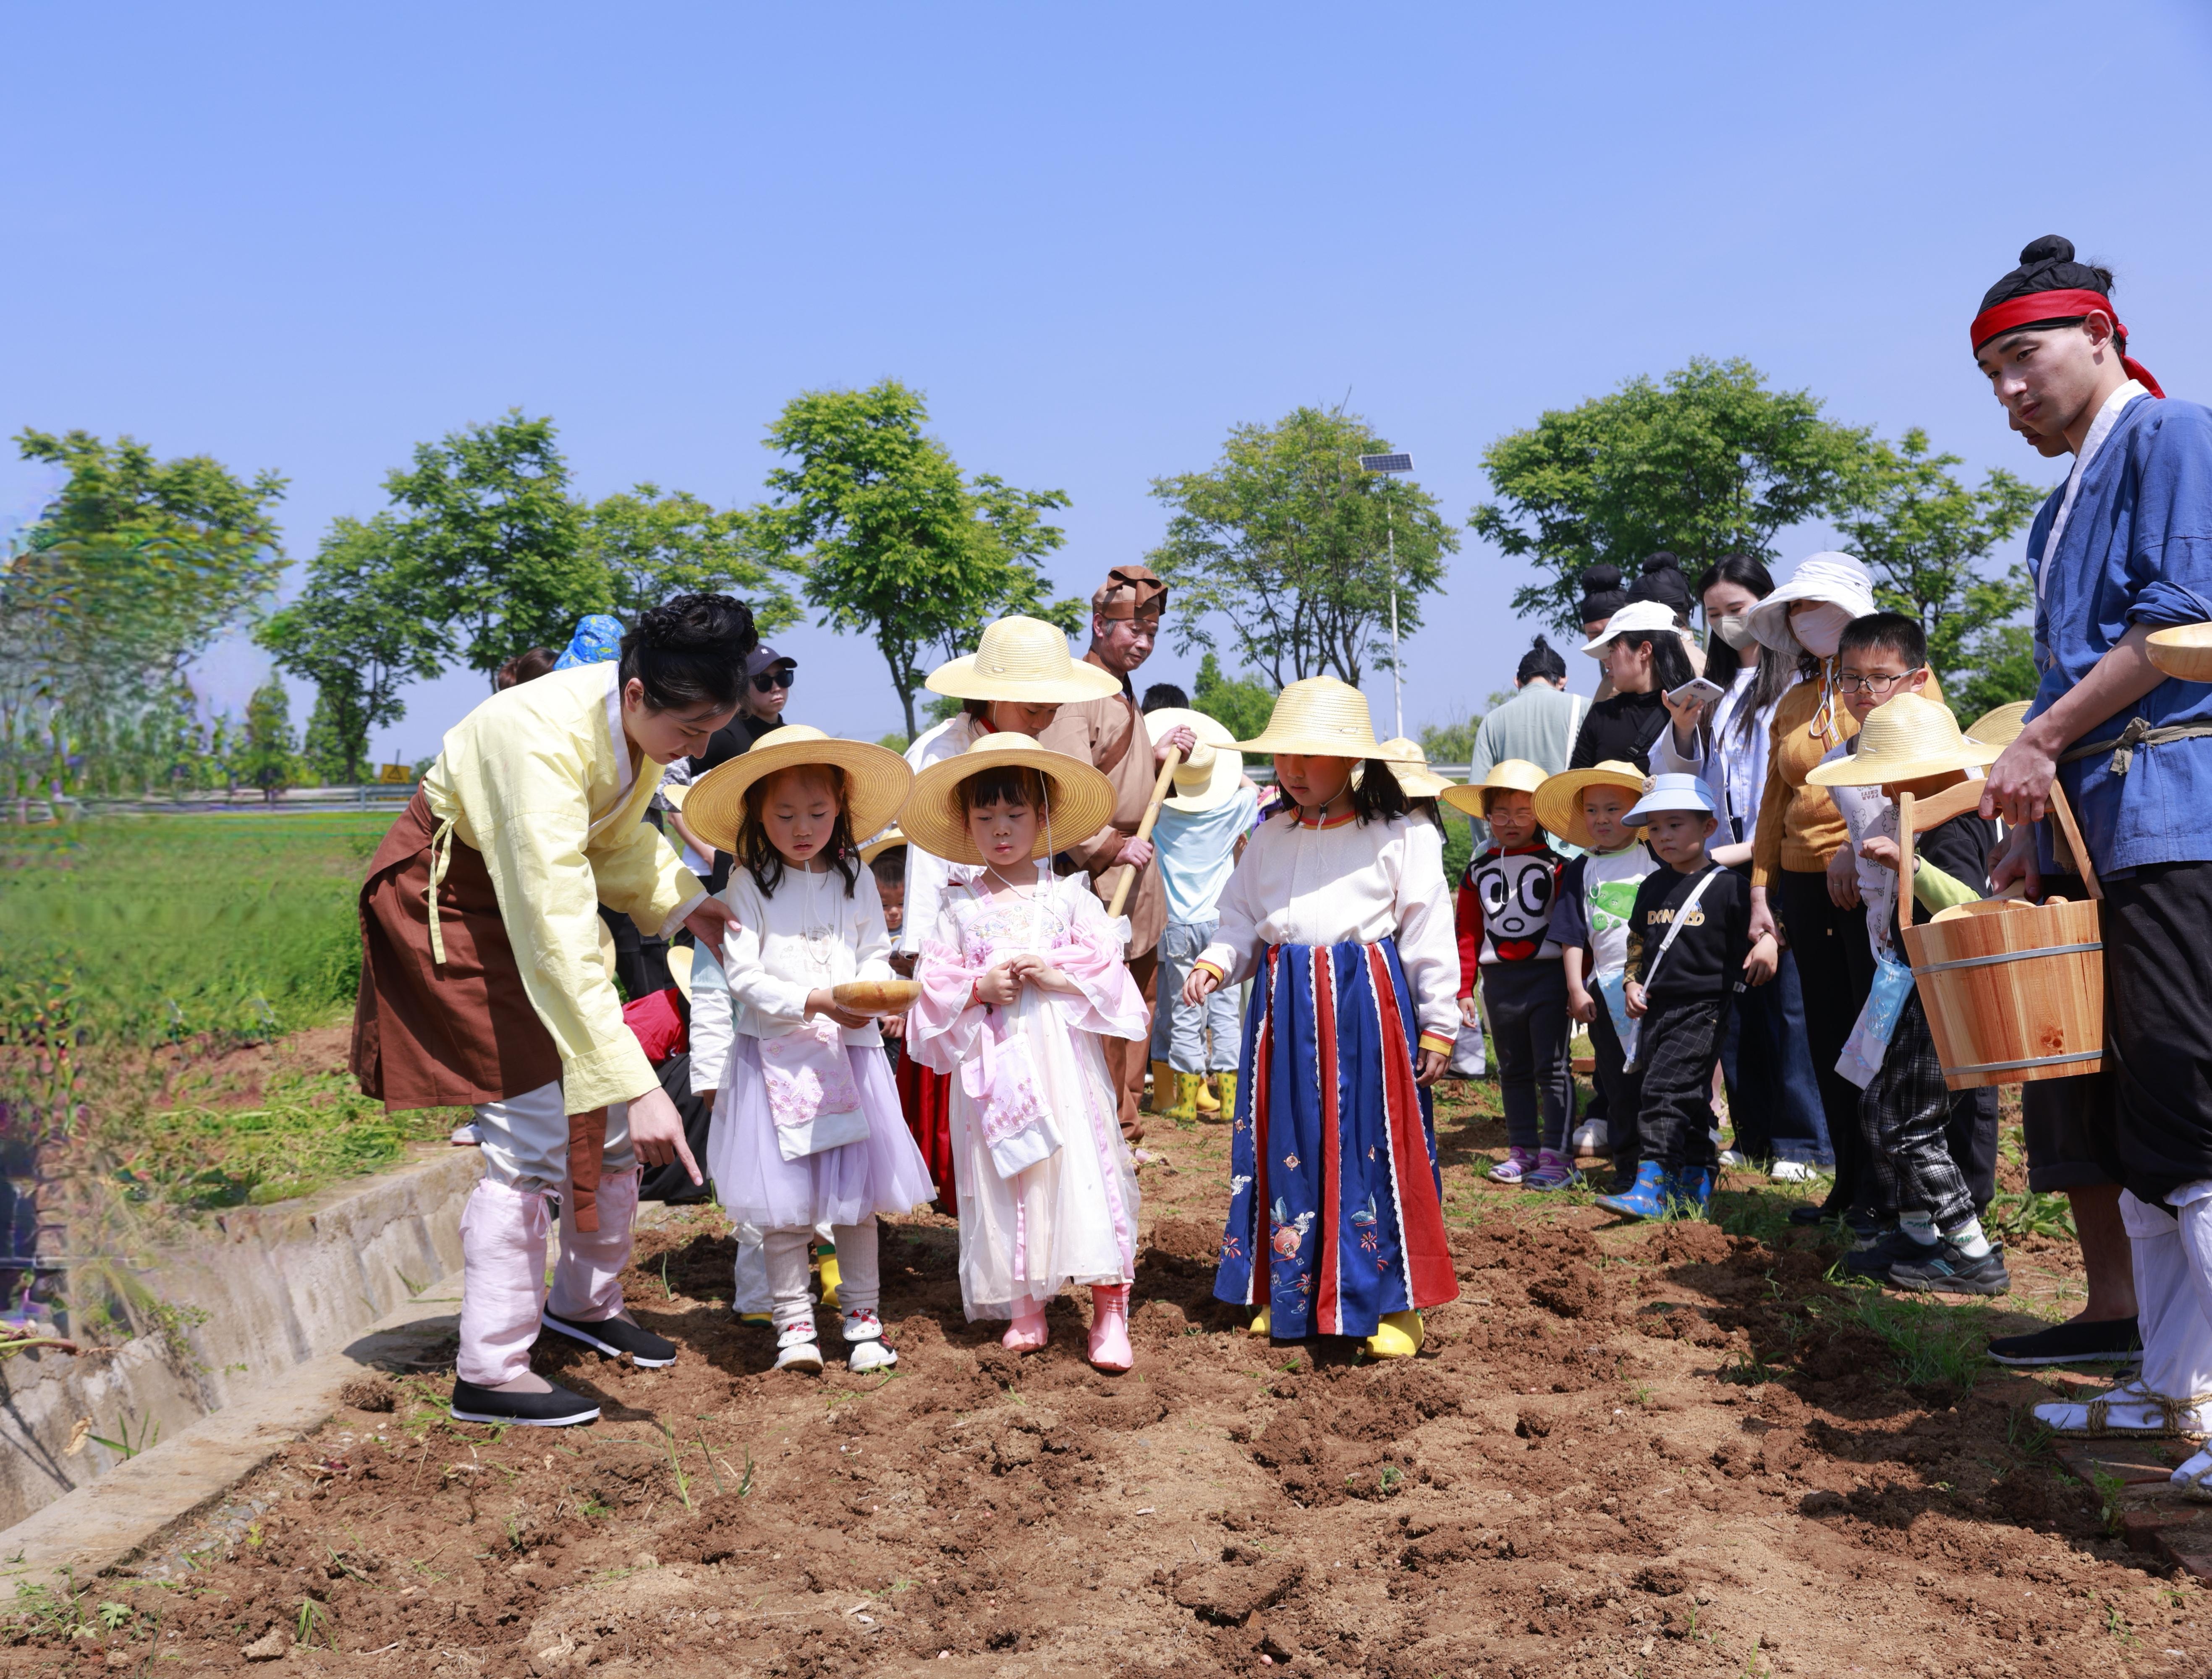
[1696, 691]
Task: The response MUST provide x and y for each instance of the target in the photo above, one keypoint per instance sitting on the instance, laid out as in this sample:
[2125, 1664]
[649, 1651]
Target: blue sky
[306, 238]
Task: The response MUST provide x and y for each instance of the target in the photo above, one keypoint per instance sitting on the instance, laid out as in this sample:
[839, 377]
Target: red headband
[2034, 306]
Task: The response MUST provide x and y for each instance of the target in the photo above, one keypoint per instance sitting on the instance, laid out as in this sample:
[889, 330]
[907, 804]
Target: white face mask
[1820, 629]
[1735, 628]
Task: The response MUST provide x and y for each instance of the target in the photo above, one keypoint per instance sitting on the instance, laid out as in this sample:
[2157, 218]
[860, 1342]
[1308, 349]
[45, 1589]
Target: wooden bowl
[2184, 651]
[877, 996]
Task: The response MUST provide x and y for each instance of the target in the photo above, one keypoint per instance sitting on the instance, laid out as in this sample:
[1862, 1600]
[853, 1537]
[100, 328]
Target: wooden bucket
[2014, 992]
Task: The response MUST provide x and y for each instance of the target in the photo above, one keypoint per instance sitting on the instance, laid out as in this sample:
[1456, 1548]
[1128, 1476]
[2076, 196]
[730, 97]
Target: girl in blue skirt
[1338, 912]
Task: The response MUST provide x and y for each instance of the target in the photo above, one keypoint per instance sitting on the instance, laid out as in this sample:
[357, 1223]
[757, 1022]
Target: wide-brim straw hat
[1902, 740]
[1411, 766]
[680, 968]
[1649, 617]
[1022, 659]
[1560, 800]
[877, 782]
[1080, 798]
[1836, 578]
[1320, 717]
[1209, 778]
[676, 792]
[882, 843]
[2000, 727]
[1512, 775]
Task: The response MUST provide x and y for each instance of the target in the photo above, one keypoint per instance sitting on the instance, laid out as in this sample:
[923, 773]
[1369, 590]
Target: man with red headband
[2125, 548]
[1125, 622]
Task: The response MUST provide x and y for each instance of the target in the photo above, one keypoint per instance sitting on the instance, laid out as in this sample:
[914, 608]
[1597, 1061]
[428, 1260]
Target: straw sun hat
[2000, 727]
[1560, 800]
[877, 781]
[882, 843]
[1514, 775]
[1208, 779]
[1411, 766]
[1080, 798]
[1320, 717]
[1902, 741]
[1023, 659]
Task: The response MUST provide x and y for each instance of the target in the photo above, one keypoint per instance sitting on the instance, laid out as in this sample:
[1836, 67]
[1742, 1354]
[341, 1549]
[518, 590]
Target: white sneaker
[796, 1348]
[1793, 1171]
[863, 1334]
[466, 1136]
[1735, 1157]
[1592, 1136]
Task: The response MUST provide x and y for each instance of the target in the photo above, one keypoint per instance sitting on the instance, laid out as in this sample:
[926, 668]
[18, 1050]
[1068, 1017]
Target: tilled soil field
[1625, 1451]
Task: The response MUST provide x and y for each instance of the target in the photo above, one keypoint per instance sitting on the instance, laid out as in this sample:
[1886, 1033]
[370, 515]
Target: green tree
[266, 756]
[323, 748]
[1927, 537]
[1286, 537]
[488, 526]
[891, 542]
[1451, 743]
[1704, 462]
[1242, 705]
[653, 543]
[362, 628]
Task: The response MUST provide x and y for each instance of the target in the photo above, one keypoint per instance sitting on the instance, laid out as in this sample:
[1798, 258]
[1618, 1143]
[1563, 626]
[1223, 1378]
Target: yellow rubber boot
[1161, 1097]
[1265, 1323]
[1228, 1096]
[1187, 1087]
[1399, 1335]
[1209, 1105]
[831, 1276]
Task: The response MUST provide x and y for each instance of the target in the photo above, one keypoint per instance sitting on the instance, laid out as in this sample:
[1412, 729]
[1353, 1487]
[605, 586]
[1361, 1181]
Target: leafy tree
[267, 757]
[362, 628]
[1451, 743]
[488, 526]
[653, 543]
[1242, 705]
[892, 543]
[323, 748]
[1285, 536]
[1994, 669]
[1927, 536]
[1705, 462]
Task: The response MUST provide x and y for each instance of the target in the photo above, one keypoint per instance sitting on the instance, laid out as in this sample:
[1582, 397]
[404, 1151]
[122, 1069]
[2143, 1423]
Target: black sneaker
[2114, 1340]
[1947, 1270]
[1892, 1247]
[614, 1336]
[559, 1409]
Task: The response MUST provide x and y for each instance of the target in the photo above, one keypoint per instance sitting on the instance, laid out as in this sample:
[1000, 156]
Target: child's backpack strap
[1682, 915]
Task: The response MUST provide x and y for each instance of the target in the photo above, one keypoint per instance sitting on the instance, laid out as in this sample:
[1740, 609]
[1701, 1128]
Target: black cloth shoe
[614, 1336]
[1892, 1247]
[1947, 1270]
[558, 1409]
[1806, 1213]
[2114, 1340]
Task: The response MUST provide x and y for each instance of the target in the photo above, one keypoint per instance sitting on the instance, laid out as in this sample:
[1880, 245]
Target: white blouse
[1354, 882]
[928, 875]
[809, 935]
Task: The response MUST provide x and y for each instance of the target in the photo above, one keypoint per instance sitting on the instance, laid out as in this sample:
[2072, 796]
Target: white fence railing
[369, 796]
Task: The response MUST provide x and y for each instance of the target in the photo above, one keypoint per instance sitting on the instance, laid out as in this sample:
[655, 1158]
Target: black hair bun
[2050, 248]
[1661, 562]
[1540, 645]
[1598, 579]
[699, 624]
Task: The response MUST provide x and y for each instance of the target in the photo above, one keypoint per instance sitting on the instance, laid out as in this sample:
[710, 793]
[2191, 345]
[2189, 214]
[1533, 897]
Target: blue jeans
[1774, 1092]
[1192, 1038]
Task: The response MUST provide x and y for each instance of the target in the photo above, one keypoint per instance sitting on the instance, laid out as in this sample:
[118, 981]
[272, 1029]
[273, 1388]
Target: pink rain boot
[1109, 1326]
[1027, 1332]
[502, 1281]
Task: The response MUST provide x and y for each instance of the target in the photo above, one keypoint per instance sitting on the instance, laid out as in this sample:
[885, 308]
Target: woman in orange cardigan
[1801, 870]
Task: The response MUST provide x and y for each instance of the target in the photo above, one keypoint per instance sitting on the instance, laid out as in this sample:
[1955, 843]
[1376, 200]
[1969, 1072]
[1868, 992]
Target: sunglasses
[768, 680]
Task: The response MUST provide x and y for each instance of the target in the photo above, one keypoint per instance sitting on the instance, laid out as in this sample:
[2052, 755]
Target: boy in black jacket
[1912, 744]
[1689, 951]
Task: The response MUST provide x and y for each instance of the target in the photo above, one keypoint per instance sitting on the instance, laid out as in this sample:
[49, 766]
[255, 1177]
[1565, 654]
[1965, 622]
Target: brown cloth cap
[1130, 592]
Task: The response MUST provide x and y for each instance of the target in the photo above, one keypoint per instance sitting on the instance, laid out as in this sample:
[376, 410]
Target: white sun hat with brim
[1672, 792]
[1902, 740]
[1026, 660]
[1644, 616]
[877, 781]
[1078, 798]
[1835, 578]
[1319, 717]
[1208, 778]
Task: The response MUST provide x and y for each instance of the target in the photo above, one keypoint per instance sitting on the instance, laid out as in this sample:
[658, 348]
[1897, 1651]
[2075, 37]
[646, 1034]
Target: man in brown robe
[1125, 622]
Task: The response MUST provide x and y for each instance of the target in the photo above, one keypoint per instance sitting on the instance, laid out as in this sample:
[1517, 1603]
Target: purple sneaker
[1553, 1171]
[1515, 1167]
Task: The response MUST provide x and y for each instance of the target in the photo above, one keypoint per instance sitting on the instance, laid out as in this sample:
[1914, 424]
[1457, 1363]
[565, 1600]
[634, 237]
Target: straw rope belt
[2135, 1393]
[441, 858]
[2138, 733]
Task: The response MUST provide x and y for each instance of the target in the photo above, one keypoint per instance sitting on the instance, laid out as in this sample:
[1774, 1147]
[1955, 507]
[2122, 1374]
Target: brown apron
[455, 1031]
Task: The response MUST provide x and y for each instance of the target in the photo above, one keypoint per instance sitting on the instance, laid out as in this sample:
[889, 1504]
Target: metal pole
[1397, 684]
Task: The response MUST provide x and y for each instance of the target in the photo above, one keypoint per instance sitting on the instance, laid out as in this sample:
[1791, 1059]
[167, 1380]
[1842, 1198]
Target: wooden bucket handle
[1915, 814]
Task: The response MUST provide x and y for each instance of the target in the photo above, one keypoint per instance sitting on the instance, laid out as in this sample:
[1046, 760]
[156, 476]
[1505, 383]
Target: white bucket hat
[1645, 615]
[1835, 578]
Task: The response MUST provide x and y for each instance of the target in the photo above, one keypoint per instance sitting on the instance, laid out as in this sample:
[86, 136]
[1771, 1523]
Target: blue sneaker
[1645, 1198]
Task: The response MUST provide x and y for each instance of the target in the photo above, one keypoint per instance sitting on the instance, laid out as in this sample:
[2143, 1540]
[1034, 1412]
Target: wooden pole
[1144, 830]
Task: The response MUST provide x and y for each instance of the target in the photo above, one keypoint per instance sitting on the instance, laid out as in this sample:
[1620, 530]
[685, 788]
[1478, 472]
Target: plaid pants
[1676, 1048]
[1905, 1115]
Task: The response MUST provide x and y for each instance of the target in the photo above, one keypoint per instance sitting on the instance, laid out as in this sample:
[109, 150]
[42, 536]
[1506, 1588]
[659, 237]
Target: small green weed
[1933, 1345]
[149, 1432]
[676, 1463]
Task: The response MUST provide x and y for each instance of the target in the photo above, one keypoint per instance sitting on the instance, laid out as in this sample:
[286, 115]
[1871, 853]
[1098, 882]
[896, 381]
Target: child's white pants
[859, 1286]
[749, 1287]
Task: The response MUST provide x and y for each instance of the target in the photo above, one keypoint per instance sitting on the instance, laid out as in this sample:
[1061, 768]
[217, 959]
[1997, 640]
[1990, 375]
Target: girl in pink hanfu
[1021, 977]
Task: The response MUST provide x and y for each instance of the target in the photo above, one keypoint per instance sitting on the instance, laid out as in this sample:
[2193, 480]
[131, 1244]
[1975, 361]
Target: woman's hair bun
[1599, 578]
[2050, 248]
[697, 623]
[691, 650]
[1661, 562]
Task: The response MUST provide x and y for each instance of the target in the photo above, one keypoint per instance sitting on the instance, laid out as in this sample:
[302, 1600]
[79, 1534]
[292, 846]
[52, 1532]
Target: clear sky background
[306, 238]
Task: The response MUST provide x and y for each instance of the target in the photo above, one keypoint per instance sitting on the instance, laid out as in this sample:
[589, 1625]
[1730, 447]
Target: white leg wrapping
[2173, 1393]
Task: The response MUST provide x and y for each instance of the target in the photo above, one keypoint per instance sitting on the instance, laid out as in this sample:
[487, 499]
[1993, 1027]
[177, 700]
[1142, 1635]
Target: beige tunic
[1093, 730]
